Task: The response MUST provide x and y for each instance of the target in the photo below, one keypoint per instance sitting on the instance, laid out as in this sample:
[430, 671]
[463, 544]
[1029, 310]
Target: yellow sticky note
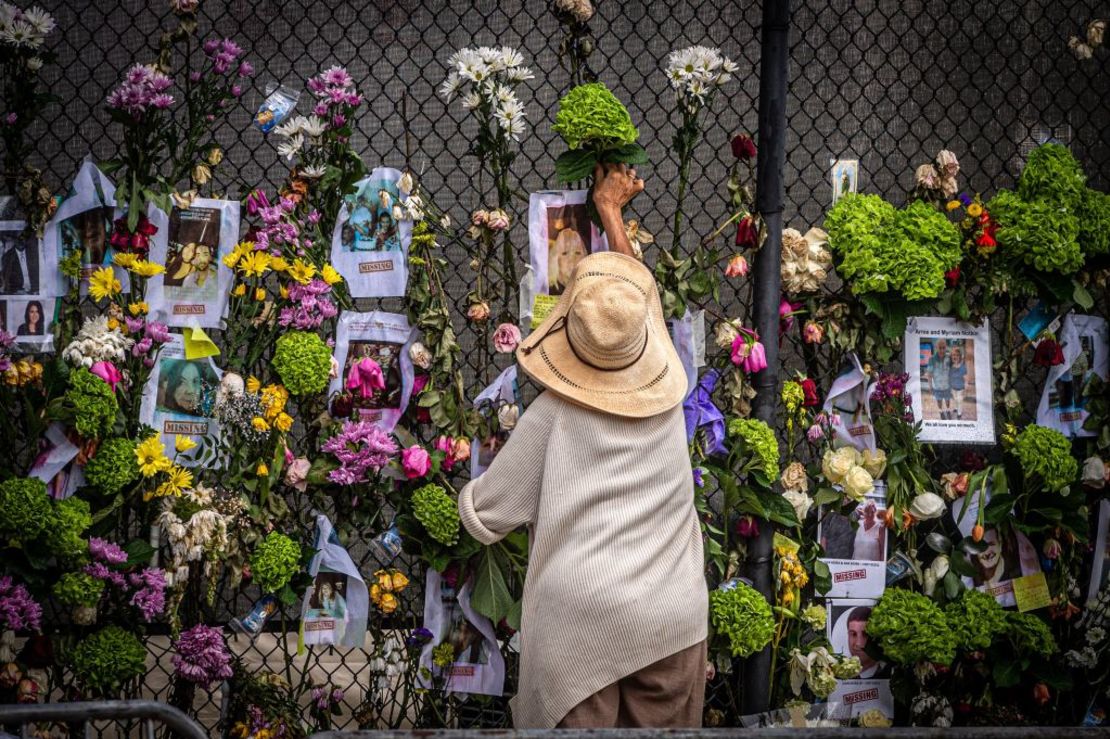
[1031, 592]
[197, 344]
[785, 543]
[542, 307]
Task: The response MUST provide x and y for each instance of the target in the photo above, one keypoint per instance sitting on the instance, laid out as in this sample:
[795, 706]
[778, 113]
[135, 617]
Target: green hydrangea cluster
[759, 440]
[113, 467]
[68, 519]
[883, 249]
[303, 362]
[103, 661]
[1052, 173]
[437, 513]
[590, 115]
[78, 589]
[1029, 634]
[274, 562]
[744, 616]
[1046, 453]
[1041, 233]
[24, 507]
[976, 619]
[910, 628]
[94, 404]
[1094, 223]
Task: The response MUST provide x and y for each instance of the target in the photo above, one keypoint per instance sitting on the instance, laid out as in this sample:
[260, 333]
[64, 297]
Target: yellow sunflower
[330, 275]
[144, 268]
[301, 271]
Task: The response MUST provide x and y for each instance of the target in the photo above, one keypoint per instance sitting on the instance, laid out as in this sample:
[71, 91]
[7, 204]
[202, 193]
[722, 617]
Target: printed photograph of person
[33, 318]
[371, 226]
[568, 240]
[865, 541]
[470, 646]
[88, 231]
[19, 264]
[845, 178]
[327, 599]
[948, 379]
[388, 356]
[848, 636]
[1069, 392]
[1006, 555]
[192, 255]
[186, 387]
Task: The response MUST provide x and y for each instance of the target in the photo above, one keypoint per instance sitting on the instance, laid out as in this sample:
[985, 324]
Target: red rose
[145, 227]
[743, 147]
[747, 235]
[952, 276]
[1048, 354]
[972, 461]
[809, 391]
[747, 527]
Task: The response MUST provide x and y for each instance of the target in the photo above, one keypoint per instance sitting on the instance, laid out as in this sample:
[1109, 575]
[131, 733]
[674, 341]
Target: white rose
[420, 355]
[405, 183]
[1094, 473]
[801, 502]
[507, 416]
[927, 506]
[726, 333]
[939, 566]
[858, 483]
[836, 465]
[874, 461]
[398, 214]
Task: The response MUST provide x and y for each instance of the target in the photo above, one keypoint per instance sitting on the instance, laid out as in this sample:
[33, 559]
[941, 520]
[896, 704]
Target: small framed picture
[845, 177]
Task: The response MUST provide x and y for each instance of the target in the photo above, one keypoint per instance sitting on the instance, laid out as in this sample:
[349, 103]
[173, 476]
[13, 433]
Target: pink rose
[498, 220]
[737, 267]
[926, 176]
[296, 474]
[813, 332]
[506, 338]
[947, 165]
[415, 462]
[107, 371]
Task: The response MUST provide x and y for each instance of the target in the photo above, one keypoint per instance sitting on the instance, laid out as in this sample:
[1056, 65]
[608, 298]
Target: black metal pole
[767, 286]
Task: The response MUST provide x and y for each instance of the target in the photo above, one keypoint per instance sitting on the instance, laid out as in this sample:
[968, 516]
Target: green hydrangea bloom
[590, 115]
[976, 619]
[744, 616]
[113, 467]
[1040, 233]
[303, 362]
[24, 507]
[438, 513]
[1053, 173]
[1094, 223]
[68, 519]
[103, 661]
[275, 561]
[1046, 453]
[78, 589]
[910, 628]
[94, 404]
[760, 442]
[1029, 634]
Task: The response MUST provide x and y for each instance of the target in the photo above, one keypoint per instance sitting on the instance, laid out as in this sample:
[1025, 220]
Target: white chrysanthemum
[20, 33]
[314, 127]
[514, 128]
[471, 100]
[95, 342]
[40, 21]
[290, 146]
[450, 86]
[519, 74]
[290, 127]
[511, 57]
[313, 171]
[503, 93]
[8, 14]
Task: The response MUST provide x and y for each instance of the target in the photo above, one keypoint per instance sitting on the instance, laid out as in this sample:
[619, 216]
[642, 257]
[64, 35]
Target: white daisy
[472, 100]
[314, 126]
[450, 86]
[314, 171]
[519, 74]
[514, 128]
[40, 21]
[503, 93]
[20, 34]
[473, 71]
[290, 146]
[510, 57]
[291, 126]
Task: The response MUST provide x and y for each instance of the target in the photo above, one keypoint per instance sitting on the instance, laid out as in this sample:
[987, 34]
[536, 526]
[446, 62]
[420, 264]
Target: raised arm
[614, 186]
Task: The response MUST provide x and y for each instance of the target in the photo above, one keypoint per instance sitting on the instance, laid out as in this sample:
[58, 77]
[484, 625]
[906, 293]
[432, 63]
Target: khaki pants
[667, 694]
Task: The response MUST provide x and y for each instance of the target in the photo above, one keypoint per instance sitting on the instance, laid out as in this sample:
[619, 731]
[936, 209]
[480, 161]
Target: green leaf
[139, 552]
[1082, 297]
[513, 617]
[575, 165]
[1006, 672]
[627, 154]
[826, 496]
[491, 595]
[287, 596]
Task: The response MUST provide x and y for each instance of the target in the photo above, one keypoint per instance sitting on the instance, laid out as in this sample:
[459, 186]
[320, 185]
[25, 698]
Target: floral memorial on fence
[203, 394]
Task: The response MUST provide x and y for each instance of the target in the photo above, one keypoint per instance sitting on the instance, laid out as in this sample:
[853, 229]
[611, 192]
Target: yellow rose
[385, 582]
[201, 174]
[874, 461]
[262, 470]
[389, 603]
[375, 593]
[260, 425]
[400, 582]
[858, 483]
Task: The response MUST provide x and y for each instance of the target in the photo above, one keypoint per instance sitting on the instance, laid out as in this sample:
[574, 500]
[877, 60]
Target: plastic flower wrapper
[743, 617]
[275, 561]
[103, 661]
[303, 362]
[976, 619]
[1045, 455]
[113, 467]
[910, 628]
[438, 513]
[758, 441]
[597, 129]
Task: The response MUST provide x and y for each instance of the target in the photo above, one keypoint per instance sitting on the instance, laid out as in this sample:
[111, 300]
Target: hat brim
[655, 383]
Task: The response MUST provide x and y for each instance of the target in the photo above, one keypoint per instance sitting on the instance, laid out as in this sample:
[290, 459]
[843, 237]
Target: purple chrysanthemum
[18, 610]
[202, 656]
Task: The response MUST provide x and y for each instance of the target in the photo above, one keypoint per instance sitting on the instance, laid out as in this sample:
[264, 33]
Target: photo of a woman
[870, 540]
[187, 387]
[33, 320]
[957, 379]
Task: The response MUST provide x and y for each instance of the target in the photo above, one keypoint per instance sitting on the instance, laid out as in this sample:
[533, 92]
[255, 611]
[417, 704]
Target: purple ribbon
[701, 413]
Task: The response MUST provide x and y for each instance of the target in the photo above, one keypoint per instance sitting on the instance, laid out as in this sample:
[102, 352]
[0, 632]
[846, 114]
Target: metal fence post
[767, 282]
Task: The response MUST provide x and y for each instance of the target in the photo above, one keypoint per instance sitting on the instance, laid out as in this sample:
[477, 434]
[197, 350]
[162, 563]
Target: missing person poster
[560, 234]
[194, 288]
[179, 398]
[856, 548]
[949, 364]
[478, 666]
[53, 463]
[1006, 561]
[1083, 342]
[22, 271]
[1100, 564]
[337, 603]
[870, 691]
[848, 407]
[370, 244]
[500, 405]
[383, 338]
[82, 223]
[30, 320]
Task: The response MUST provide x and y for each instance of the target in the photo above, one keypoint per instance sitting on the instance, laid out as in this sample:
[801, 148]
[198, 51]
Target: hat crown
[606, 323]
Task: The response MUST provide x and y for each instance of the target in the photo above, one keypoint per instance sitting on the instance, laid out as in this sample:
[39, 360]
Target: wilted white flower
[420, 355]
[507, 416]
[314, 126]
[1079, 48]
[291, 146]
[313, 171]
[34, 64]
[406, 184]
[398, 213]
[1096, 30]
[95, 342]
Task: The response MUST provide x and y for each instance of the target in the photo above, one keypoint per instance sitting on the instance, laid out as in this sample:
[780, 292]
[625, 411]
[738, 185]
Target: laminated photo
[337, 603]
[856, 548]
[870, 691]
[370, 244]
[1100, 564]
[845, 177]
[949, 365]
[179, 398]
[194, 288]
[82, 223]
[848, 407]
[22, 270]
[384, 338]
[30, 320]
[1063, 406]
[478, 666]
[502, 401]
[560, 234]
[1006, 554]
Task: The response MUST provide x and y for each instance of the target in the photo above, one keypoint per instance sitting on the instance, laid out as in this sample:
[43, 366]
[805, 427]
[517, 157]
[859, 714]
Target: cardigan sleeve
[506, 496]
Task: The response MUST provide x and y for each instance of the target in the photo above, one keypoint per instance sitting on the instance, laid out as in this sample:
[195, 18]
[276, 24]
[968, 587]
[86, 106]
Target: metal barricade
[149, 713]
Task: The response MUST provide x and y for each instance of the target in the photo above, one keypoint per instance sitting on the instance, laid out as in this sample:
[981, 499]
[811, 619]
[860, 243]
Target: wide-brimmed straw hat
[605, 345]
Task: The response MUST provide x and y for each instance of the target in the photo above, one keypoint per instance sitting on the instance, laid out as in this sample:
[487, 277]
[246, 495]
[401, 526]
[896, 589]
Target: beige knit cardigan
[615, 575]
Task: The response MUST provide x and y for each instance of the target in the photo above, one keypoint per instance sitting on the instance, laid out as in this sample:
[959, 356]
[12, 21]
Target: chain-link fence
[885, 82]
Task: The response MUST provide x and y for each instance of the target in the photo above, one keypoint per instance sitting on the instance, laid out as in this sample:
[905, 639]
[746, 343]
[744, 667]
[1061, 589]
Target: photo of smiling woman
[33, 320]
[187, 388]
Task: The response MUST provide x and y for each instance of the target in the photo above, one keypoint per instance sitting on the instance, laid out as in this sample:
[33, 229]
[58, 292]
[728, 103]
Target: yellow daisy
[144, 268]
[152, 458]
[278, 264]
[953, 204]
[301, 271]
[262, 469]
[330, 275]
[138, 309]
[183, 443]
[253, 384]
[975, 210]
[124, 260]
[103, 284]
[283, 422]
[259, 294]
[255, 264]
[240, 290]
[178, 481]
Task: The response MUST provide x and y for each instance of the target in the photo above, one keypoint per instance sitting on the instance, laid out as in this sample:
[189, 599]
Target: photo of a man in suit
[19, 265]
